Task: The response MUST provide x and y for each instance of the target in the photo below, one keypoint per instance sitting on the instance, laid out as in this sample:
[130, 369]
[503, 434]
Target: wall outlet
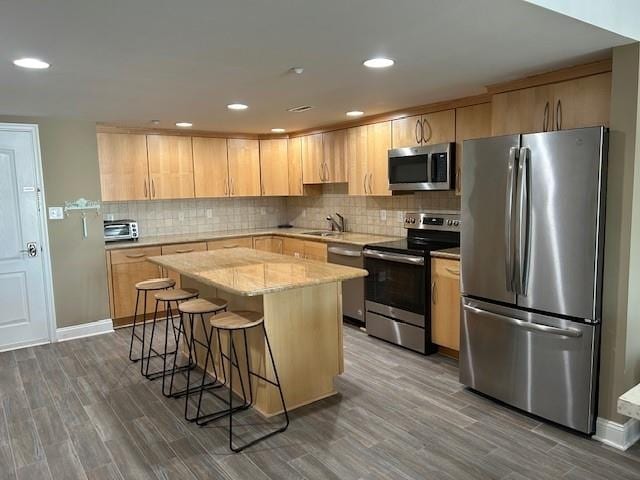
[383, 215]
[209, 213]
[109, 217]
[263, 210]
[56, 213]
[181, 216]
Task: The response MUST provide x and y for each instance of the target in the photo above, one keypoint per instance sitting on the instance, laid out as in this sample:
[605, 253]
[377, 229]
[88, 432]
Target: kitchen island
[302, 305]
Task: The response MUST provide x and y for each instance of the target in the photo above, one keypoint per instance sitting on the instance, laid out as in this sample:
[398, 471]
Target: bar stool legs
[135, 318]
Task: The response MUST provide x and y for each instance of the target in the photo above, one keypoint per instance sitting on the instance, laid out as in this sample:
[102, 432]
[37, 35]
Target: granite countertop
[451, 253]
[629, 403]
[248, 272]
[352, 238]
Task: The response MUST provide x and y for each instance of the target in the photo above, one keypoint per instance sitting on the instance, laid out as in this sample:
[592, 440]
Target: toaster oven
[117, 230]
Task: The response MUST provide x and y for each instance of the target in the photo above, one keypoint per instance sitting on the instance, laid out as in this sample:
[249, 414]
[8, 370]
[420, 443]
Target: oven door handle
[394, 257]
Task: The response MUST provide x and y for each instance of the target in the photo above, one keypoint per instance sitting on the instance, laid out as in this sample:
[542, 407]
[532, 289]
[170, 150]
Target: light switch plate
[56, 213]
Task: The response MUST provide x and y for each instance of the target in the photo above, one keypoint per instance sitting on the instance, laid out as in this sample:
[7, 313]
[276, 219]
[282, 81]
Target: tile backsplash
[380, 215]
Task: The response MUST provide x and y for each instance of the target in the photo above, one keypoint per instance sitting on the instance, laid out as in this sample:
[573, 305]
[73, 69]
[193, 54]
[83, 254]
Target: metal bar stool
[192, 308]
[167, 297]
[142, 288]
[232, 322]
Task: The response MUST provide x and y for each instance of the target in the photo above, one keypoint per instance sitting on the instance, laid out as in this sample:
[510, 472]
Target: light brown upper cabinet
[312, 159]
[294, 154]
[210, 169]
[428, 129]
[582, 102]
[471, 122]
[170, 167]
[334, 153]
[244, 167]
[274, 167]
[124, 171]
[367, 148]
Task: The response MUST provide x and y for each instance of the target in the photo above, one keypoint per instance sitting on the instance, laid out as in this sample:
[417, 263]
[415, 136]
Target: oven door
[395, 280]
[117, 231]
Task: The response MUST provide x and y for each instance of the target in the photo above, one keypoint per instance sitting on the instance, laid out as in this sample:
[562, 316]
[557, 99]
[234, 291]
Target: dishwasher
[352, 290]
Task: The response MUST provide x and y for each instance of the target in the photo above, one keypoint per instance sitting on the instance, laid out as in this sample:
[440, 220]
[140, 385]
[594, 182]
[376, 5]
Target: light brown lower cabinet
[243, 242]
[445, 303]
[268, 244]
[177, 249]
[304, 249]
[128, 267]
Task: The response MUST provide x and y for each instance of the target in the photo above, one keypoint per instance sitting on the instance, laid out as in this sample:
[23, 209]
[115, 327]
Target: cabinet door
[170, 166]
[128, 267]
[315, 251]
[312, 163]
[293, 247]
[240, 242]
[357, 156]
[179, 249]
[124, 172]
[439, 127]
[445, 303]
[294, 154]
[584, 102]
[210, 170]
[378, 144]
[244, 167]
[471, 122]
[274, 167]
[522, 111]
[407, 132]
[268, 244]
[334, 154]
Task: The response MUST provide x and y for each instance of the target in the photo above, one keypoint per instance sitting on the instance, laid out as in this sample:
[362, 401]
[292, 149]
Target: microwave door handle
[508, 219]
[522, 222]
[429, 168]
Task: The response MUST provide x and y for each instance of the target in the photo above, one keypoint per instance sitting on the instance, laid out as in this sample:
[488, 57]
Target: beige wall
[70, 166]
[620, 352]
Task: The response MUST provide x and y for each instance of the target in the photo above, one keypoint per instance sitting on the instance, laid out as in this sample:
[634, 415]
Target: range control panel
[447, 221]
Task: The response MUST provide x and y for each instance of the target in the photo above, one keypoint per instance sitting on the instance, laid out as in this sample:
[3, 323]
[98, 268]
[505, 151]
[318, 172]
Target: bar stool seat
[176, 294]
[203, 306]
[156, 284]
[237, 320]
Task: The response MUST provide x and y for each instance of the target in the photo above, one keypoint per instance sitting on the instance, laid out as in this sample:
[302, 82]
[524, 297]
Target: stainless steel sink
[322, 233]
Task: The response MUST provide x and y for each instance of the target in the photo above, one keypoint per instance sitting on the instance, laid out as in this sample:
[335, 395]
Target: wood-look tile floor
[80, 409]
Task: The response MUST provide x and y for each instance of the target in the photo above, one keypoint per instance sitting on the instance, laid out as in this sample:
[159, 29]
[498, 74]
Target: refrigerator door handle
[508, 220]
[522, 222]
[532, 327]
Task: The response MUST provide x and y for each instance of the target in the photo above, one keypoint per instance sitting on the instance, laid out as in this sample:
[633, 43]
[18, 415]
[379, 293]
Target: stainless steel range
[396, 290]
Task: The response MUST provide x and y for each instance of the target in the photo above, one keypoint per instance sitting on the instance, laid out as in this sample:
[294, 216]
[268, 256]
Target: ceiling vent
[300, 109]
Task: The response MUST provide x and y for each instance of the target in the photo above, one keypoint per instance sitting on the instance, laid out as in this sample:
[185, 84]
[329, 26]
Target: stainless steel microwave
[426, 167]
[115, 230]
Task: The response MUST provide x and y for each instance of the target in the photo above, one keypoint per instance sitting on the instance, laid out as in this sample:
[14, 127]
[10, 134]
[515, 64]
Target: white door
[24, 316]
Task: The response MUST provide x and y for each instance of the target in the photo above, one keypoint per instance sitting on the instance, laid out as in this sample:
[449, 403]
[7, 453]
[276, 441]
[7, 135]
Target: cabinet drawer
[184, 248]
[315, 251]
[244, 242]
[446, 268]
[134, 255]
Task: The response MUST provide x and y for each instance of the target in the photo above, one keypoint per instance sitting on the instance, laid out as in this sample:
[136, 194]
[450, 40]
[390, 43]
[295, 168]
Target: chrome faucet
[336, 225]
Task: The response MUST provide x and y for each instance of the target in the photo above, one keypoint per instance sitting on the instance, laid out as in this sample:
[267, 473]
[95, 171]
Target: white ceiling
[130, 61]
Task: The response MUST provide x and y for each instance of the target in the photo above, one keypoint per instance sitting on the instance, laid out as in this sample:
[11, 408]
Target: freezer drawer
[544, 365]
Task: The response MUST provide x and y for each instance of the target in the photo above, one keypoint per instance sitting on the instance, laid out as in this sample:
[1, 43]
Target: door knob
[31, 250]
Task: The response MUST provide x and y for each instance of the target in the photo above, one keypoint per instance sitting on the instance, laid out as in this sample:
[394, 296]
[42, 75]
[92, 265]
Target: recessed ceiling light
[354, 113]
[184, 124]
[278, 130]
[378, 62]
[237, 106]
[34, 63]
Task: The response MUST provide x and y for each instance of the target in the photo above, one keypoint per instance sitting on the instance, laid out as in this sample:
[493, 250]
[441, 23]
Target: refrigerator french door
[531, 250]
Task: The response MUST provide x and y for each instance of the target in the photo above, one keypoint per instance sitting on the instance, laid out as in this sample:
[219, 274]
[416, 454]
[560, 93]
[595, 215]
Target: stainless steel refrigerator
[531, 257]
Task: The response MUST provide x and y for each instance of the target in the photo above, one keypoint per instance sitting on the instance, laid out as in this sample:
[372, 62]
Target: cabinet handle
[153, 188]
[426, 122]
[364, 182]
[371, 183]
[418, 132]
[558, 115]
[231, 186]
[328, 173]
[186, 250]
[433, 293]
[146, 194]
[545, 117]
[235, 245]
[322, 171]
[226, 187]
[134, 255]
[452, 271]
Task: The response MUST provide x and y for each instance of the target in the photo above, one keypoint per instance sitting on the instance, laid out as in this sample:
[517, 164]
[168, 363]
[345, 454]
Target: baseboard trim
[617, 435]
[84, 330]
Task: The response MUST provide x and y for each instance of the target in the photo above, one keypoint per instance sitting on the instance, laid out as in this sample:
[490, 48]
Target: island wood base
[305, 331]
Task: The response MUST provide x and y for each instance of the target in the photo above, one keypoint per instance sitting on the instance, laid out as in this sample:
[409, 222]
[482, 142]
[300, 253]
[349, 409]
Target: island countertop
[248, 272]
